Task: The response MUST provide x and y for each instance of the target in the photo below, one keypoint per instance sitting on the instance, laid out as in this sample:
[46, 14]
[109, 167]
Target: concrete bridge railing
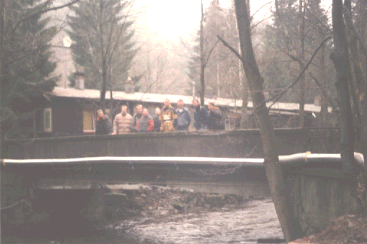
[225, 144]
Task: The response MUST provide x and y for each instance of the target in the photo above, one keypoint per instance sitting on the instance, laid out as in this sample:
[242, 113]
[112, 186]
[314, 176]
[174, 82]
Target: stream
[253, 220]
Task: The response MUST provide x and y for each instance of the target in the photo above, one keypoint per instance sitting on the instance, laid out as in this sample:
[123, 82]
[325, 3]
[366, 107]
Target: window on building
[89, 120]
[47, 120]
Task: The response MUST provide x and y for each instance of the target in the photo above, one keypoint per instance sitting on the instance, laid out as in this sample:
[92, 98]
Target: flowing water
[253, 220]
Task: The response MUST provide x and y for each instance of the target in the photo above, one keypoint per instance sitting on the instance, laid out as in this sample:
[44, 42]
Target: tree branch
[320, 22]
[278, 96]
[43, 11]
[323, 91]
[261, 21]
[210, 53]
[348, 18]
[230, 48]
[258, 10]
[294, 58]
[18, 58]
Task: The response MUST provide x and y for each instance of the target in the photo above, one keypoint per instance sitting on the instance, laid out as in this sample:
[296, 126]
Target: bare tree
[301, 35]
[357, 75]
[274, 173]
[340, 58]
[204, 57]
[320, 74]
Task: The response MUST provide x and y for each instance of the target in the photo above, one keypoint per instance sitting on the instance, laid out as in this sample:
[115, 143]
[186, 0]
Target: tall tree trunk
[111, 95]
[218, 74]
[290, 227]
[3, 13]
[339, 56]
[202, 58]
[103, 63]
[356, 84]
[322, 75]
[355, 58]
[217, 77]
[362, 26]
[321, 66]
[244, 122]
[104, 85]
[301, 33]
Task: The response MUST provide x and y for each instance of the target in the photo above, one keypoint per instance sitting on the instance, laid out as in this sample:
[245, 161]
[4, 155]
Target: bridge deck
[221, 175]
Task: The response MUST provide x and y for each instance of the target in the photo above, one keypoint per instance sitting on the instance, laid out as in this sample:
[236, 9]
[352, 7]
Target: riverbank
[348, 229]
[148, 201]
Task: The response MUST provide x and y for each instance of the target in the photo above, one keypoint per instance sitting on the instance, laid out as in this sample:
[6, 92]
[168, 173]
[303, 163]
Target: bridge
[314, 181]
[241, 176]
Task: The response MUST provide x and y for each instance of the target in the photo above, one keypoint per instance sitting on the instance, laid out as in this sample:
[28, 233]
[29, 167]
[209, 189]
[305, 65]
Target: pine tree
[25, 65]
[102, 45]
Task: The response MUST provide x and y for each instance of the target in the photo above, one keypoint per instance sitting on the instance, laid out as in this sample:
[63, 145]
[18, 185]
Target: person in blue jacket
[183, 116]
[200, 116]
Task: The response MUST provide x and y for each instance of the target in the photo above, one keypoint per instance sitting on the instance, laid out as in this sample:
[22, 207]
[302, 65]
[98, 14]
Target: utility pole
[202, 61]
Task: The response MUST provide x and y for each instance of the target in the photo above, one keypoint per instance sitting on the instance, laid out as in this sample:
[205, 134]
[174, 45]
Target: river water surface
[255, 219]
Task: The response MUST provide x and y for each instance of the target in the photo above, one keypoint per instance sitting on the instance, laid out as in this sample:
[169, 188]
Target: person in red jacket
[145, 123]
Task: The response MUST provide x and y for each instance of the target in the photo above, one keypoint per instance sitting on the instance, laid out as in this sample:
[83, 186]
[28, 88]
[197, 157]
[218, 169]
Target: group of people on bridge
[164, 120]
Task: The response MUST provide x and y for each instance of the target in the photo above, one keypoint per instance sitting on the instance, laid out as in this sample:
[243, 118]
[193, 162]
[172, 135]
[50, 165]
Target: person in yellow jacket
[168, 117]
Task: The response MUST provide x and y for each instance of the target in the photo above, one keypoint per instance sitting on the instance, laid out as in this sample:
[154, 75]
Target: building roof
[159, 98]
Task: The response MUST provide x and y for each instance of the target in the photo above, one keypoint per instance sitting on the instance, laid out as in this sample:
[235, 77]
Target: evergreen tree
[25, 64]
[102, 45]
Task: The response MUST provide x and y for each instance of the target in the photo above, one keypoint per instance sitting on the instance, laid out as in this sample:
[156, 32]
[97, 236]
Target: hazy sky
[173, 18]
[170, 19]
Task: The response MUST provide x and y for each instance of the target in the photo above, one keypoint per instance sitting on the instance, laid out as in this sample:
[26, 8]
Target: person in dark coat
[157, 121]
[183, 117]
[215, 120]
[103, 125]
[200, 116]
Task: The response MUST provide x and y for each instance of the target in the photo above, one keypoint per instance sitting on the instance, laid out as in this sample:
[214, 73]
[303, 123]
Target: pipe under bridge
[241, 176]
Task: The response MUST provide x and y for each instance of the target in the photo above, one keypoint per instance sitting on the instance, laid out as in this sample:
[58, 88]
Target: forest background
[157, 44]
[285, 34]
